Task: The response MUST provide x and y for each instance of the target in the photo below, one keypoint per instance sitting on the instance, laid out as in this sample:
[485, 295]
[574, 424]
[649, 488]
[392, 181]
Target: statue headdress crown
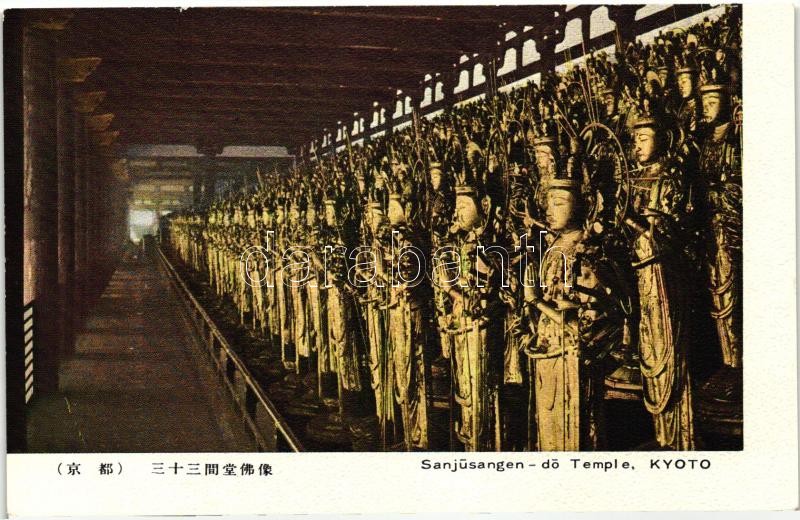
[649, 110]
[569, 175]
[686, 62]
[713, 76]
[466, 183]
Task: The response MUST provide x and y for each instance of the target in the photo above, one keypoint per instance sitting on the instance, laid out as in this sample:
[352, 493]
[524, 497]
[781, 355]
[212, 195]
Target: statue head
[397, 214]
[609, 101]
[686, 81]
[294, 214]
[395, 166]
[713, 98]
[436, 176]
[652, 84]
[646, 146]
[311, 215]
[379, 182]
[330, 213]
[468, 213]
[663, 76]
[562, 209]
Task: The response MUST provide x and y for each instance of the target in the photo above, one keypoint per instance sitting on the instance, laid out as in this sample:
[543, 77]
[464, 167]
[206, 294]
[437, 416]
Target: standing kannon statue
[657, 212]
[579, 319]
[519, 183]
[720, 170]
[282, 287]
[345, 335]
[686, 77]
[477, 321]
[297, 269]
[556, 369]
[317, 306]
[410, 327]
[372, 265]
[255, 261]
[440, 218]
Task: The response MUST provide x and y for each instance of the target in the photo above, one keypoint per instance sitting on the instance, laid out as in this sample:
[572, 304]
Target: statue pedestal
[365, 433]
[267, 365]
[286, 390]
[330, 432]
[440, 379]
[719, 409]
[624, 383]
[305, 403]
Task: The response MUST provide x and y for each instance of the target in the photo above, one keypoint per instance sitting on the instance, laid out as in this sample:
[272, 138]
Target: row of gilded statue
[623, 173]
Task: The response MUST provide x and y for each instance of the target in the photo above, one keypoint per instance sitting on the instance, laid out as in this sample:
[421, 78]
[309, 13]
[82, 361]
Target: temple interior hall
[147, 150]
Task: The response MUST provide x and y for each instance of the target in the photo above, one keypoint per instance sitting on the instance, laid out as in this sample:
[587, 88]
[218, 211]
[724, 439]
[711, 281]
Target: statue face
[712, 102]
[436, 179]
[662, 77]
[279, 215]
[560, 209]
[685, 84]
[330, 214]
[294, 214]
[467, 215]
[644, 142]
[396, 214]
[311, 215]
[608, 101]
[362, 186]
[650, 87]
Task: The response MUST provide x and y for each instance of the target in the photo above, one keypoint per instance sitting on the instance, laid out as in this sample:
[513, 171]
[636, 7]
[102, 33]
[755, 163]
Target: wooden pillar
[102, 253]
[71, 71]
[13, 30]
[209, 185]
[66, 218]
[40, 277]
[85, 104]
[490, 72]
[197, 188]
[93, 188]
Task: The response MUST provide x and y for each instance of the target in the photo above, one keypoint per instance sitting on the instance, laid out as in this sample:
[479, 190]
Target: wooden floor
[136, 382]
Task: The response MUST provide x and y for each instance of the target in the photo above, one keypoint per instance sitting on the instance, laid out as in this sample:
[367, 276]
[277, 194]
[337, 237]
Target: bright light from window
[142, 217]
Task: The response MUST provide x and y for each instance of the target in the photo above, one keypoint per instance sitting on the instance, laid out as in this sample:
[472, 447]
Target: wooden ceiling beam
[144, 116]
[232, 98]
[137, 84]
[246, 73]
[299, 118]
[267, 65]
[210, 25]
[482, 14]
[291, 141]
[386, 48]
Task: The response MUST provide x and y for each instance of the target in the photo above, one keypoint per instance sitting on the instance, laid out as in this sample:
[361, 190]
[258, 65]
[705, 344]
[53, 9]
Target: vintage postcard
[399, 258]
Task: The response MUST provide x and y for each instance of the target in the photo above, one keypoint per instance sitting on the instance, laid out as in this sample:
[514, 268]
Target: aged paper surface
[568, 280]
